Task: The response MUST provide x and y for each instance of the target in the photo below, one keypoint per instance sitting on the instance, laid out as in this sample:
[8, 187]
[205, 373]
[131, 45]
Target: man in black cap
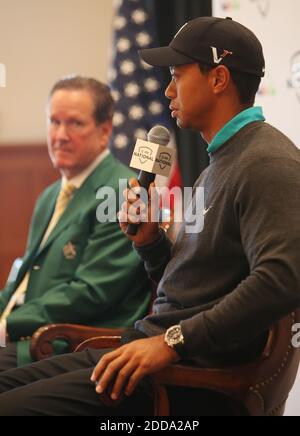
[219, 289]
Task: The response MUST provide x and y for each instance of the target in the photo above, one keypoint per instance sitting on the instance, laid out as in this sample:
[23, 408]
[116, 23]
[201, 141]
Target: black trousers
[8, 357]
[61, 386]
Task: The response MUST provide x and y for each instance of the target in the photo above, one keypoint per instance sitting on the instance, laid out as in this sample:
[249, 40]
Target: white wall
[276, 23]
[41, 41]
[293, 406]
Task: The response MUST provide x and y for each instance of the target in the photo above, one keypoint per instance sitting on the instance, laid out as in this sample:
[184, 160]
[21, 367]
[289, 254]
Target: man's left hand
[128, 364]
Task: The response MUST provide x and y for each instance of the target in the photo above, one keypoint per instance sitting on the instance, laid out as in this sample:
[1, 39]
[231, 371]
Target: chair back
[259, 388]
[275, 374]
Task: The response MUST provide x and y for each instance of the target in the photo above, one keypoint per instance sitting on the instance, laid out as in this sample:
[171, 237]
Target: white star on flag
[143, 39]
[151, 85]
[121, 142]
[139, 16]
[123, 45]
[156, 108]
[120, 23]
[136, 112]
[140, 134]
[127, 67]
[132, 90]
[118, 119]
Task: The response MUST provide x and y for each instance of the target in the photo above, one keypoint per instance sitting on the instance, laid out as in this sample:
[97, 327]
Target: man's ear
[106, 131]
[220, 79]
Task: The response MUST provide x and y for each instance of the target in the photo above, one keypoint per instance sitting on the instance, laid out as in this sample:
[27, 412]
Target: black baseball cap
[214, 41]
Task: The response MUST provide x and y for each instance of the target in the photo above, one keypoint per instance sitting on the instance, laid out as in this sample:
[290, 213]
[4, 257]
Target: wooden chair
[41, 345]
[260, 388]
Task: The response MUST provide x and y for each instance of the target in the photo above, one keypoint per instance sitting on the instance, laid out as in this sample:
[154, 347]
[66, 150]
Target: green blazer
[86, 273]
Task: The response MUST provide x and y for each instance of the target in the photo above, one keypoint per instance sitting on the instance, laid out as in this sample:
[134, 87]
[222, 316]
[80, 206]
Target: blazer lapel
[82, 198]
[75, 205]
[48, 215]
[38, 236]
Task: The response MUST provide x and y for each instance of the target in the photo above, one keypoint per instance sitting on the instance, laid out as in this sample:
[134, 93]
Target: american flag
[137, 87]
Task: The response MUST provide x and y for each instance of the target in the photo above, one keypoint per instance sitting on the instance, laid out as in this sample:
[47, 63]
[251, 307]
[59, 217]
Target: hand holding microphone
[136, 213]
[151, 157]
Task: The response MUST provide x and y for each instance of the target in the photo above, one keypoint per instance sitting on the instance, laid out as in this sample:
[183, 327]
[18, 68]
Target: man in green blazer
[76, 269]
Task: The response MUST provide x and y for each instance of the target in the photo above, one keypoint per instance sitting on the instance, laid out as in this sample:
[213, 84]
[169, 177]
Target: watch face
[174, 336]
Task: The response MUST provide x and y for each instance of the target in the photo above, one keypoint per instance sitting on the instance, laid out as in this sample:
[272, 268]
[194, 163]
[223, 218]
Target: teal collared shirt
[235, 125]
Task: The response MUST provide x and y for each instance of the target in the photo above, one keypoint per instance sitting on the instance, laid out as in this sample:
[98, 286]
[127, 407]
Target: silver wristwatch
[174, 337]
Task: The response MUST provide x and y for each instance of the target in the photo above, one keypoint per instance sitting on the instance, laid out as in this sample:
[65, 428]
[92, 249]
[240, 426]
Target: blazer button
[36, 268]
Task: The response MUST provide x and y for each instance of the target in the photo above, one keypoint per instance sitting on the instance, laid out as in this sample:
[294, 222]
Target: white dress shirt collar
[78, 180]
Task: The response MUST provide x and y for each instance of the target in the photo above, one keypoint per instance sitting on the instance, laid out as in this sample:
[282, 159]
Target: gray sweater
[228, 284]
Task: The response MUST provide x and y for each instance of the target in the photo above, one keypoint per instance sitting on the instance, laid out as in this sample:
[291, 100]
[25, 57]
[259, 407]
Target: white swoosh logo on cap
[180, 30]
[205, 212]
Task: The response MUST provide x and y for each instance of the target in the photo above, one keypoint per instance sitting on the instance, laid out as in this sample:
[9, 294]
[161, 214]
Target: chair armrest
[234, 382]
[41, 342]
[231, 380]
[100, 342]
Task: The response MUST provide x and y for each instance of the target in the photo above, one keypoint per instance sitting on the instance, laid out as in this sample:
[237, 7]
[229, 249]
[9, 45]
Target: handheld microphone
[152, 157]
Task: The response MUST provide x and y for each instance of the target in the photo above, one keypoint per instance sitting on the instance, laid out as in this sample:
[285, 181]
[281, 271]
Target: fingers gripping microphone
[154, 158]
[157, 135]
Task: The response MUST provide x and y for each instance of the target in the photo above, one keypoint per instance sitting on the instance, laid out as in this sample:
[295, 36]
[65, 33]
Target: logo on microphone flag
[165, 159]
[153, 158]
[144, 153]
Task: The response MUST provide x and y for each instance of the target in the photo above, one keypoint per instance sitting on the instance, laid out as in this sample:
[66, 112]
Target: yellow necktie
[63, 199]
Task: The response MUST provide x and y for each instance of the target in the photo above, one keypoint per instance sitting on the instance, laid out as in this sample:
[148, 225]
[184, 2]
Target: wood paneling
[25, 171]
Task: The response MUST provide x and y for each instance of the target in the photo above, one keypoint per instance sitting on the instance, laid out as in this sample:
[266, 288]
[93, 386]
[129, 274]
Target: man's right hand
[134, 211]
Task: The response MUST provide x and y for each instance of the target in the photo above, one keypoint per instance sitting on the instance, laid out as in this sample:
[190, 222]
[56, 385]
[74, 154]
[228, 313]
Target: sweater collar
[235, 125]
